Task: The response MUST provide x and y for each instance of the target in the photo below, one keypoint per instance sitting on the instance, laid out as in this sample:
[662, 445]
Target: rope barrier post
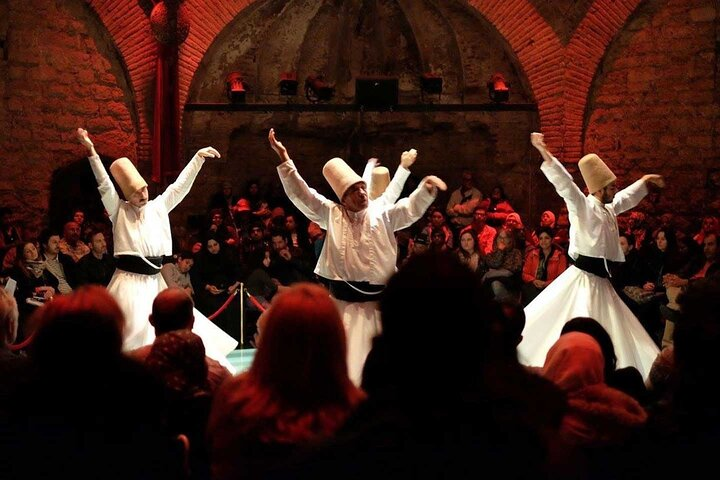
[242, 315]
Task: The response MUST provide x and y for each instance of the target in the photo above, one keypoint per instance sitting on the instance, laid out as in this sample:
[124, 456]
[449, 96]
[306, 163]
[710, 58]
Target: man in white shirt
[584, 290]
[142, 235]
[360, 251]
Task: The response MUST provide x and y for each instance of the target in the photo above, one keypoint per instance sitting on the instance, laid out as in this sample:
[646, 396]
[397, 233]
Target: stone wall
[656, 104]
[634, 80]
[60, 71]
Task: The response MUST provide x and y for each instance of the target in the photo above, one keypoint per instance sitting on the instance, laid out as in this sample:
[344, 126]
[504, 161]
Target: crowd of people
[357, 289]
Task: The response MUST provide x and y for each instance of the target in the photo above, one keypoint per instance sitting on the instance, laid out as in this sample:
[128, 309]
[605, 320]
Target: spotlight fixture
[317, 90]
[235, 87]
[431, 82]
[288, 83]
[498, 89]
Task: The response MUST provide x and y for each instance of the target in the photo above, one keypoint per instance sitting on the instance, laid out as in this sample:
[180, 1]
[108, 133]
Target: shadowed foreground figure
[448, 409]
[87, 411]
[296, 393]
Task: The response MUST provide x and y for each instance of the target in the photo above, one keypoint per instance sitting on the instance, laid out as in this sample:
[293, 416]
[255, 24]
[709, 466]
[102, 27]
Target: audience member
[296, 393]
[97, 267]
[543, 264]
[177, 273]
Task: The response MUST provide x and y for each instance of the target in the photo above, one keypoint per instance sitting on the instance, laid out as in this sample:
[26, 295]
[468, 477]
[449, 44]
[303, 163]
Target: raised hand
[278, 147]
[656, 180]
[84, 138]
[538, 141]
[208, 152]
[432, 181]
[408, 158]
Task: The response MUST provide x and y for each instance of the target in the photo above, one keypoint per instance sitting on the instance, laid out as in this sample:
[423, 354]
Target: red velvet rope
[224, 305]
[255, 302]
[23, 344]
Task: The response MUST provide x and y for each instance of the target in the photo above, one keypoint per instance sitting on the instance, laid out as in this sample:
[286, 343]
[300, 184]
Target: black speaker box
[376, 92]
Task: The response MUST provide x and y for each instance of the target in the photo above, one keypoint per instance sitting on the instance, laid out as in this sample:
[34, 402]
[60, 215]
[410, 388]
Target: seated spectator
[35, 284]
[223, 232]
[485, 233]
[631, 271]
[177, 273]
[503, 267]
[547, 219]
[468, 252]
[297, 237]
[178, 360]
[675, 283]
[61, 266]
[437, 240]
[71, 244]
[97, 267]
[296, 393]
[710, 225]
[287, 265]
[543, 264]
[499, 207]
[242, 217]
[463, 201]
[419, 245]
[473, 416]
[216, 275]
[600, 419]
[106, 413]
[525, 238]
[562, 230]
[684, 429]
[172, 310]
[437, 222]
[316, 236]
[626, 379]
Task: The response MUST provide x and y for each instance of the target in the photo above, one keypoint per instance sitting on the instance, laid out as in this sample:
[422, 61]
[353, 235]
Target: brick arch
[130, 29]
[585, 51]
[560, 77]
[539, 51]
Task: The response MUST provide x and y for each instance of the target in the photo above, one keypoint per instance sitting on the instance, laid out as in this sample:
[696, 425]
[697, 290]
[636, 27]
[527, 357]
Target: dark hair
[593, 328]
[91, 234]
[630, 238]
[46, 234]
[184, 254]
[547, 230]
[670, 237]
[280, 233]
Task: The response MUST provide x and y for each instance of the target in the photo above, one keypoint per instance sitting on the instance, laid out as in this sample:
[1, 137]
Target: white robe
[359, 247]
[576, 293]
[146, 231]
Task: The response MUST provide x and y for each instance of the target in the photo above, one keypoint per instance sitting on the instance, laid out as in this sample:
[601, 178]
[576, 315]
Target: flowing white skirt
[135, 294]
[362, 324]
[577, 293]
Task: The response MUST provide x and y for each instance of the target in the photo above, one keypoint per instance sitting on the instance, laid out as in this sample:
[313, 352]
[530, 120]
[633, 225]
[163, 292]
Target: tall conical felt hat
[596, 174]
[380, 181]
[340, 176]
[127, 176]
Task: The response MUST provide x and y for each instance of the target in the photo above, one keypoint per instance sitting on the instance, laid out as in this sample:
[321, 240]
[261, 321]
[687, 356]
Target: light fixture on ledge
[317, 89]
[498, 88]
[235, 87]
[288, 84]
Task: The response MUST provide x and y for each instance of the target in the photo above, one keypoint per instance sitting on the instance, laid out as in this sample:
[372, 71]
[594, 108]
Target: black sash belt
[593, 265]
[135, 264]
[342, 291]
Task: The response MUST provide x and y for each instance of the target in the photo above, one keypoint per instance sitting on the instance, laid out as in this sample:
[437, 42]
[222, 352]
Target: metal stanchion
[242, 315]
